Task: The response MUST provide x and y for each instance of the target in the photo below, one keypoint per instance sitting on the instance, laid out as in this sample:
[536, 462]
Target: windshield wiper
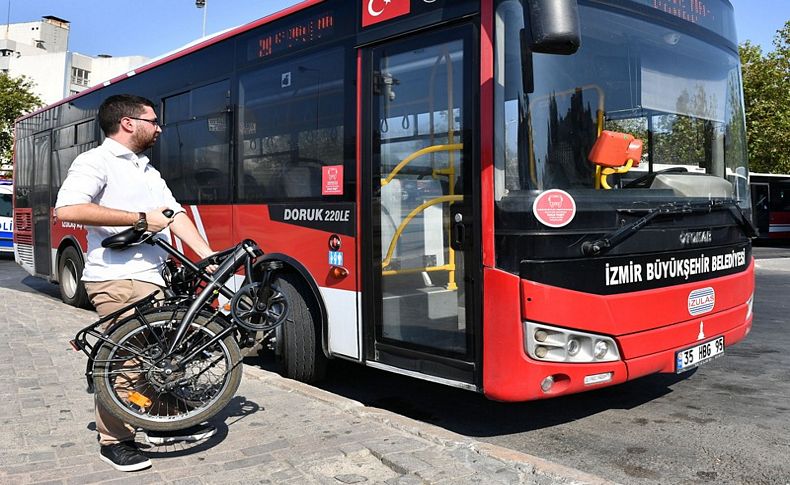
[594, 248]
[746, 224]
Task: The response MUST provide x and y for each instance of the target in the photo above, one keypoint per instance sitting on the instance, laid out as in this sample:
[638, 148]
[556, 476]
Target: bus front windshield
[677, 93]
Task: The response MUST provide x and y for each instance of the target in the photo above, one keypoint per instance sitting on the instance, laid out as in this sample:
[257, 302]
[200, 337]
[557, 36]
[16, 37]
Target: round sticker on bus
[554, 208]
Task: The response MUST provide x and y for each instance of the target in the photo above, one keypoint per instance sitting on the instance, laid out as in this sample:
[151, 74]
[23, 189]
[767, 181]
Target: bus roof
[183, 51]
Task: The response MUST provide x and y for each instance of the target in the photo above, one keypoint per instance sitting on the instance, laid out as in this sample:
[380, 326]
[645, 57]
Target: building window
[79, 76]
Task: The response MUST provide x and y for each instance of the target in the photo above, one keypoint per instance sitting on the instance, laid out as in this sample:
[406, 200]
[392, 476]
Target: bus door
[40, 202]
[418, 164]
[761, 203]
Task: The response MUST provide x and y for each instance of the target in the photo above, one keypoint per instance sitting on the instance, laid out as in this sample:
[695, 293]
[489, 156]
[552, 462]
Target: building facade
[40, 51]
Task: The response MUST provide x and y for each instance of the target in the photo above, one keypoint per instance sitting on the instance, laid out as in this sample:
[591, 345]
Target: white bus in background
[6, 219]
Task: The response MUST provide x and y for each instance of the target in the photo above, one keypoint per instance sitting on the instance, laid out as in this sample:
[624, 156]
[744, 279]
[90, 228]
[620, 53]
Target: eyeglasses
[154, 121]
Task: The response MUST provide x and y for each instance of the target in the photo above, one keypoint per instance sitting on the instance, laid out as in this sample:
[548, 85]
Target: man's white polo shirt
[110, 175]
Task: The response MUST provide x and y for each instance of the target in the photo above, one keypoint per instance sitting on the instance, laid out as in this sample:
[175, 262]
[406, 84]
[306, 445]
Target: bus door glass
[41, 203]
[761, 203]
[421, 116]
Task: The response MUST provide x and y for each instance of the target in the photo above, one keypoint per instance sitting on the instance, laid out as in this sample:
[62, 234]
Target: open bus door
[419, 150]
[761, 204]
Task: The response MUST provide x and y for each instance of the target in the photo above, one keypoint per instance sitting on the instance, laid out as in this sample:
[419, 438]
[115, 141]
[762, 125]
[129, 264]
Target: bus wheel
[72, 291]
[302, 357]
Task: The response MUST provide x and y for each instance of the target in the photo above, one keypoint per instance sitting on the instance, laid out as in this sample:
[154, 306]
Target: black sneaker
[195, 433]
[124, 456]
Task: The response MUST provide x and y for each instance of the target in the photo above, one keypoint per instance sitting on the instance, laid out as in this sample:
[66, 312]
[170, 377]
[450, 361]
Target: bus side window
[291, 124]
[195, 144]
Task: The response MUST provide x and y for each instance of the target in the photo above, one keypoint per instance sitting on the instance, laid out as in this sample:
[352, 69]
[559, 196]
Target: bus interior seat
[210, 184]
[298, 182]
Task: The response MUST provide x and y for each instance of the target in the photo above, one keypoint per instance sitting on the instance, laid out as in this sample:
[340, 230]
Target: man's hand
[205, 253]
[156, 220]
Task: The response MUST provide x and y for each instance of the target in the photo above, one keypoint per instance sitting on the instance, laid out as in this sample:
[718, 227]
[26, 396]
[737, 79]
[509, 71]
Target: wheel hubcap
[68, 278]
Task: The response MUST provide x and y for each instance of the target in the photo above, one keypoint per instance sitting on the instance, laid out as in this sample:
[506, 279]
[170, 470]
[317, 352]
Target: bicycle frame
[243, 254]
[246, 254]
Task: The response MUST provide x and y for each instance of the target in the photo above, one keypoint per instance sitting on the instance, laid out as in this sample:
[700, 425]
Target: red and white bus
[448, 180]
[771, 203]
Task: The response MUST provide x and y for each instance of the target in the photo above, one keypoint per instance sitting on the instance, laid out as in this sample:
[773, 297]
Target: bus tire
[70, 267]
[302, 357]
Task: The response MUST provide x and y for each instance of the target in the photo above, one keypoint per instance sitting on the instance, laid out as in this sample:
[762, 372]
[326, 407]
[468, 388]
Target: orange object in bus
[137, 398]
[613, 149]
[614, 152]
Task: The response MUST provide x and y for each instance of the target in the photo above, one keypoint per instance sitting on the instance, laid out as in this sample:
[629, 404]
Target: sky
[153, 27]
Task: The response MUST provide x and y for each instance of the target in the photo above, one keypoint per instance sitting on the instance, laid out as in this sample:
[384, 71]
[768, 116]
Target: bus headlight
[573, 346]
[554, 344]
[600, 349]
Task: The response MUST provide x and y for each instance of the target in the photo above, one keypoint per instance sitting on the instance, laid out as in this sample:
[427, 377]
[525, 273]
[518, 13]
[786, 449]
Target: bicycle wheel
[135, 384]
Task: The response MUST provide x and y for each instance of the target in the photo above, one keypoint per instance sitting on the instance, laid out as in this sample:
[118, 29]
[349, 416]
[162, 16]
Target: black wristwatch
[141, 224]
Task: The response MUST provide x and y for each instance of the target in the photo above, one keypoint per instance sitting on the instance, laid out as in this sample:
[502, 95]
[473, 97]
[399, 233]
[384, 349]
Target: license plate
[690, 358]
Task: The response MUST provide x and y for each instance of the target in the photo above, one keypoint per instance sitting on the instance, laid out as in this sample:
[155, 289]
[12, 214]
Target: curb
[773, 264]
[527, 465]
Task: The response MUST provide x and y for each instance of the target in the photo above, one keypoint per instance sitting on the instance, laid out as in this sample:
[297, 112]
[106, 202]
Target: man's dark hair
[119, 106]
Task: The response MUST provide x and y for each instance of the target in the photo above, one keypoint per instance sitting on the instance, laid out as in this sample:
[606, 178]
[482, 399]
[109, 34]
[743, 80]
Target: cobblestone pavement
[274, 431]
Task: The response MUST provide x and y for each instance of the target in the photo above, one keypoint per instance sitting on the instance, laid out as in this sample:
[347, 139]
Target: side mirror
[554, 25]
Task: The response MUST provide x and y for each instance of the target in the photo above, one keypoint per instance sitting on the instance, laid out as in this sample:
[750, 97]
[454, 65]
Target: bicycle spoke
[134, 368]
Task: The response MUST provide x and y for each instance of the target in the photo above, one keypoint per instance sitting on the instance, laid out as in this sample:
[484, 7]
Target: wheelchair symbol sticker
[335, 258]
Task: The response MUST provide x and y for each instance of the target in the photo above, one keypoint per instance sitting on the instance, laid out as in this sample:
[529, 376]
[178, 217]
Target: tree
[766, 88]
[16, 99]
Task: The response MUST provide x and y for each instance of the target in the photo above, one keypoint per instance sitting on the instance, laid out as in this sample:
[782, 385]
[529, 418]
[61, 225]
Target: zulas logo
[701, 301]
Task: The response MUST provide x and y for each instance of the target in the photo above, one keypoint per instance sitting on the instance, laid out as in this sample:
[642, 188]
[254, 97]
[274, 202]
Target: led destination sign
[296, 35]
[695, 11]
[715, 15]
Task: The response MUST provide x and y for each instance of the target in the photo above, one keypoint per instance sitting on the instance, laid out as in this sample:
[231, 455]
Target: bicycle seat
[126, 238]
[129, 237]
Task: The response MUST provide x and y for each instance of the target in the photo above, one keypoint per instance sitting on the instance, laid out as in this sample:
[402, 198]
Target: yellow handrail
[604, 173]
[438, 200]
[417, 154]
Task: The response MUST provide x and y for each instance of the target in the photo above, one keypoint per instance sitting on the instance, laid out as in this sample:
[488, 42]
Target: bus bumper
[510, 374]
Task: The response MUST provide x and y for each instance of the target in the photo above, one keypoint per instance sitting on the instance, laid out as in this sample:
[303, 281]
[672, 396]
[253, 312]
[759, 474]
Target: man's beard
[142, 142]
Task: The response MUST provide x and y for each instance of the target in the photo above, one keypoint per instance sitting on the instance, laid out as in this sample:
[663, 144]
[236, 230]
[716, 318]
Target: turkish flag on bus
[375, 11]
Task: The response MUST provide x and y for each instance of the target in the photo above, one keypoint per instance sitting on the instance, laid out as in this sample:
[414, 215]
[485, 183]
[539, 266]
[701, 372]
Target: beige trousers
[107, 297]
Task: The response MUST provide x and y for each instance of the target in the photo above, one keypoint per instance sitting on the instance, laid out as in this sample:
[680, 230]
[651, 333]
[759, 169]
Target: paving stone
[272, 432]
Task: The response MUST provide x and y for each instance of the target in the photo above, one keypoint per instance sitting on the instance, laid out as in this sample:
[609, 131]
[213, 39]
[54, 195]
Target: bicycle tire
[186, 413]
